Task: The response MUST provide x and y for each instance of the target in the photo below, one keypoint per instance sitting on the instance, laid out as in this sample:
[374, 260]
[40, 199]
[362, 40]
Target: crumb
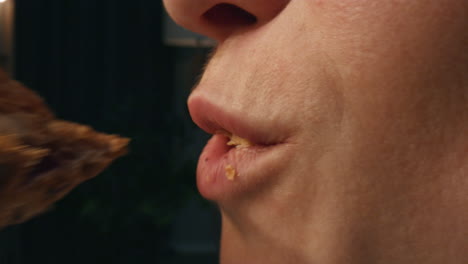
[230, 172]
[238, 142]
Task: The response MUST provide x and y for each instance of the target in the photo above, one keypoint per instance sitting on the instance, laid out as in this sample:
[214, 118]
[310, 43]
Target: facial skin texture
[372, 96]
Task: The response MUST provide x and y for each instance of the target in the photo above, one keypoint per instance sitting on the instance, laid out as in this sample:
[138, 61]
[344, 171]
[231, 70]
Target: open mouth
[242, 153]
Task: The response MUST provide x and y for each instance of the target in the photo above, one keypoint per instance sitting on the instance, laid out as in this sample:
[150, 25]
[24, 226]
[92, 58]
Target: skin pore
[371, 97]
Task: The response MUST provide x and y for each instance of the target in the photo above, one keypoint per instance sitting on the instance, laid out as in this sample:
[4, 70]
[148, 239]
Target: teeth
[230, 172]
[238, 142]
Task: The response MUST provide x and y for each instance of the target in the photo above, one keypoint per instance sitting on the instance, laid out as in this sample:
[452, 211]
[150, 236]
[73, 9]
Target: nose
[219, 19]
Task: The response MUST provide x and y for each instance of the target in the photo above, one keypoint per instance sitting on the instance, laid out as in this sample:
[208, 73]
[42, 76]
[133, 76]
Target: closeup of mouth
[239, 156]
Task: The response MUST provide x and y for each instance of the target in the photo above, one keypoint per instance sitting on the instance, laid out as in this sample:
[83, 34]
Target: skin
[373, 98]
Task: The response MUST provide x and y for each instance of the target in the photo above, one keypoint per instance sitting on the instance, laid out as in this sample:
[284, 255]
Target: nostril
[229, 15]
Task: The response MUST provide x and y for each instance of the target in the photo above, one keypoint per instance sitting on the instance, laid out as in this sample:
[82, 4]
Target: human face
[351, 107]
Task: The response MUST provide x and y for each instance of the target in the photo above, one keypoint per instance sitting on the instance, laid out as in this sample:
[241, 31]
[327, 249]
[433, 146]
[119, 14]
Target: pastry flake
[43, 158]
[238, 142]
[230, 172]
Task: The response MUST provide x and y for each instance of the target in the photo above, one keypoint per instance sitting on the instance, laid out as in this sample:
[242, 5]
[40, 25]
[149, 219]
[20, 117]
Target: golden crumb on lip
[238, 142]
[230, 172]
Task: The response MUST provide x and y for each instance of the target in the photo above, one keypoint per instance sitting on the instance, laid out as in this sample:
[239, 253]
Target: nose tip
[219, 19]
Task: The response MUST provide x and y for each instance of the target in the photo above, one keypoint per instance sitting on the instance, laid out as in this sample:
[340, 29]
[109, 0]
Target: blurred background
[122, 67]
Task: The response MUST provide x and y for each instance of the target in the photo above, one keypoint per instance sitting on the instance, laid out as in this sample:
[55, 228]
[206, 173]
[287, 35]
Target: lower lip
[251, 164]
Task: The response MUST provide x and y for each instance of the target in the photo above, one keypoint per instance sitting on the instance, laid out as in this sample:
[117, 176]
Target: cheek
[392, 51]
[363, 35]
[399, 61]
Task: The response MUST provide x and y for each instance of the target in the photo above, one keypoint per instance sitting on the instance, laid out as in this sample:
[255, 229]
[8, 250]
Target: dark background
[103, 63]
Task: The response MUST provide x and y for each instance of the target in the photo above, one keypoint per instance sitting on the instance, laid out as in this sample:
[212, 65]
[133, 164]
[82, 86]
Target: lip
[214, 119]
[253, 166]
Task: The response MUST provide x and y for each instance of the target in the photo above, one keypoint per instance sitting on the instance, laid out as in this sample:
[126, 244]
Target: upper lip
[214, 119]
